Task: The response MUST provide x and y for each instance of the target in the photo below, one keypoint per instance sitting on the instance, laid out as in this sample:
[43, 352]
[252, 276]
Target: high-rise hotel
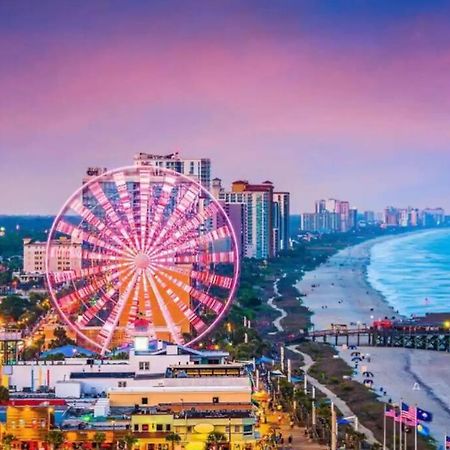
[259, 216]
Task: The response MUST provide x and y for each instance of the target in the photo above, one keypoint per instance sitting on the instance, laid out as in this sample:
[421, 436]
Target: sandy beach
[338, 292]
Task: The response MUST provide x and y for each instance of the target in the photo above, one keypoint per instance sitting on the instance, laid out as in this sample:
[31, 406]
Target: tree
[4, 394]
[61, 338]
[173, 438]
[55, 438]
[13, 306]
[129, 440]
[216, 438]
[98, 439]
[7, 441]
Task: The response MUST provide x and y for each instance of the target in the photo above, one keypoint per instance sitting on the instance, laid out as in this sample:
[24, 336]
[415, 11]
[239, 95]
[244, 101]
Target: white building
[199, 168]
[98, 376]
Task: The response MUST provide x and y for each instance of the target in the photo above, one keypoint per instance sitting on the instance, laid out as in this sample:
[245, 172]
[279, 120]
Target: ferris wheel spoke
[187, 200]
[148, 312]
[144, 198]
[142, 287]
[197, 258]
[167, 188]
[70, 230]
[174, 331]
[107, 330]
[94, 286]
[206, 277]
[126, 204]
[198, 324]
[99, 225]
[194, 242]
[182, 229]
[211, 302]
[92, 311]
[78, 274]
[99, 194]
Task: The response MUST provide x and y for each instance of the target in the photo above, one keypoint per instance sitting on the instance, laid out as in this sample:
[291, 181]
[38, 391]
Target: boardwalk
[437, 340]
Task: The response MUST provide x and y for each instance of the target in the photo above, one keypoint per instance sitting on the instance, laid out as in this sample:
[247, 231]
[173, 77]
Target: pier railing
[433, 339]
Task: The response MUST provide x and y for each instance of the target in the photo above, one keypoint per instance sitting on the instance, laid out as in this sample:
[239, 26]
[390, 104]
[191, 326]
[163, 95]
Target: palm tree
[174, 438]
[7, 441]
[216, 438]
[55, 438]
[98, 439]
[129, 440]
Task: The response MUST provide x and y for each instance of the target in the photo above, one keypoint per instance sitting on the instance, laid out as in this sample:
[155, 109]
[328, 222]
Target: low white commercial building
[99, 376]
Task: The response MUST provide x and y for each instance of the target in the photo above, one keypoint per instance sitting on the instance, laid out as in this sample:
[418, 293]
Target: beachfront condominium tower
[281, 203]
[257, 223]
[199, 168]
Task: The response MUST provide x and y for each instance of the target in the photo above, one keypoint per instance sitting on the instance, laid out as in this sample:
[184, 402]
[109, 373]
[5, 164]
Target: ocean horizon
[412, 271]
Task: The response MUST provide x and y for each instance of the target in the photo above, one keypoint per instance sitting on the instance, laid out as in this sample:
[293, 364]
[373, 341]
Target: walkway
[308, 362]
[270, 302]
[299, 440]
[340, 404]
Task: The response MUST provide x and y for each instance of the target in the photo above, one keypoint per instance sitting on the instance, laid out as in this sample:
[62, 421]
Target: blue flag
[423, 430]
[424, 416]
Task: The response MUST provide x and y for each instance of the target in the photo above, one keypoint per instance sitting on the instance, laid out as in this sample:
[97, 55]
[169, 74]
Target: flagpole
[384, 428]
[415, 429]
[394, 428]
[400, 425]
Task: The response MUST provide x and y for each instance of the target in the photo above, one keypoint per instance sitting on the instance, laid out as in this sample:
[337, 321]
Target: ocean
[413, 271]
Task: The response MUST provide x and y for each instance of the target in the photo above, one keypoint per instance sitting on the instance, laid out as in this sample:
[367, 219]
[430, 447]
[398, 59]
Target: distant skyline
[339, 98]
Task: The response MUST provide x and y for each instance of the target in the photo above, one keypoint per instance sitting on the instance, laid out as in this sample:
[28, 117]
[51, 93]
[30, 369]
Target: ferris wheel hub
[142, 261]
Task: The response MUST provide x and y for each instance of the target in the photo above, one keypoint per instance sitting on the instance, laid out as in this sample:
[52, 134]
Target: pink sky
[351, 103]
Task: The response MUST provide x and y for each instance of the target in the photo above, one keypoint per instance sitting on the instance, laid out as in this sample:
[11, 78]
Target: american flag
[408, 413]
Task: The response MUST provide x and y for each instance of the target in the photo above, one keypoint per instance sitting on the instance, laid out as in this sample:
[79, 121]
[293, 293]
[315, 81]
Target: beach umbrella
[368, 381]
[352, 347]
[368, 374]
[356, 358]
[355, 353]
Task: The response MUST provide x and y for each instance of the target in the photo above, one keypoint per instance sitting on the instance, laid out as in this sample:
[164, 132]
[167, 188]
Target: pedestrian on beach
[290, 439]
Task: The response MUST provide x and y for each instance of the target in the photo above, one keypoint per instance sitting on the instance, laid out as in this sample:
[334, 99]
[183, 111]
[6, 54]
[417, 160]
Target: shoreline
[341, 284]
[339, 292]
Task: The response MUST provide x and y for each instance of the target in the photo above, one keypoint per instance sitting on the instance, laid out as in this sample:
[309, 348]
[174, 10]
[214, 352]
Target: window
[159, 427]
[145, 427]
[144, 400]
[248, 429]
[122, 384]
[144, 365]
[168, 427]
[136, 427]
[215, 399]
[237, 428]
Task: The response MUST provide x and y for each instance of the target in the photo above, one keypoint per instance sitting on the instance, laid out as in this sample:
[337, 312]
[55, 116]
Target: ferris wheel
[142, 251]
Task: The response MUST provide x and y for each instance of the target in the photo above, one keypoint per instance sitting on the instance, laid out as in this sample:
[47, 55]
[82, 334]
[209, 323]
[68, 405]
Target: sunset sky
[339, 98]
